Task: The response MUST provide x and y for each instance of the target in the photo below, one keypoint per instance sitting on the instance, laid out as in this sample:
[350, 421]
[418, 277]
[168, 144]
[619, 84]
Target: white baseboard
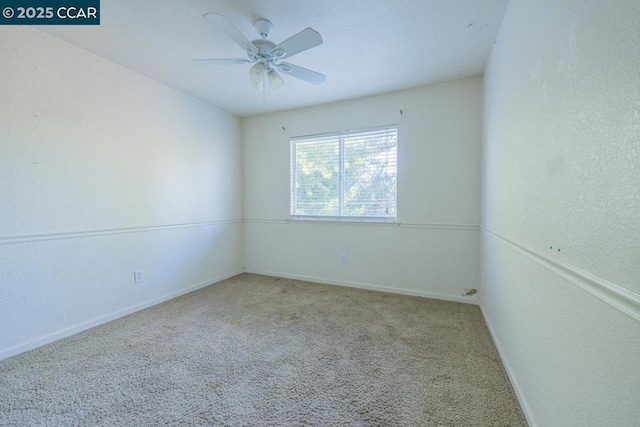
[526, 410]
[359, 285]
[58, 335]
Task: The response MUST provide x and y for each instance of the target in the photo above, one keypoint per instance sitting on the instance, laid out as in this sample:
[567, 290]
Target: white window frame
[341, 217]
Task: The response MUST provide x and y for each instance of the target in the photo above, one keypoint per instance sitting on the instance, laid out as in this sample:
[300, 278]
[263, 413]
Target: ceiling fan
[265, 54]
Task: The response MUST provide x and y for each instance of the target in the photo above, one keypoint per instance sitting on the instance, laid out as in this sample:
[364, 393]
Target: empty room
[323, 213]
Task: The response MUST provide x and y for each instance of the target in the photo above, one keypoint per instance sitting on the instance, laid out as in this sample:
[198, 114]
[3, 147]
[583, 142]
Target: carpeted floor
[261, 351]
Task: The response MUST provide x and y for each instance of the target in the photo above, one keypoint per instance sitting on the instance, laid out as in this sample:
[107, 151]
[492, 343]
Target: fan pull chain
[264, 91]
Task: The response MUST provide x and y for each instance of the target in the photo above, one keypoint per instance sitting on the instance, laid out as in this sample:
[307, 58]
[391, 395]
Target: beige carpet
[261, 351]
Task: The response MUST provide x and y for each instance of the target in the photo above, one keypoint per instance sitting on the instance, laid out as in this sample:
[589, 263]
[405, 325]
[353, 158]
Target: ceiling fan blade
[305, 39]
[232, 32]
[220, 61]
[301, 73]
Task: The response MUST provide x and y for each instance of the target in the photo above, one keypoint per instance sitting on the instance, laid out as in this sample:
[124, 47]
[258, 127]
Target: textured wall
[563, 122]
[105, 172]
[562, 171]
[435, 250]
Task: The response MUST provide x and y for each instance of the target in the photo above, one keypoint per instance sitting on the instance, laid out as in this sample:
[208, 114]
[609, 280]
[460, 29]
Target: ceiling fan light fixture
[275, 81]
[256, 73]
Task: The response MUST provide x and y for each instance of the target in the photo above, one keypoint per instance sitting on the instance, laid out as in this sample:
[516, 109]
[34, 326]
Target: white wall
[435, 250]
[562, 171]
[103, 172]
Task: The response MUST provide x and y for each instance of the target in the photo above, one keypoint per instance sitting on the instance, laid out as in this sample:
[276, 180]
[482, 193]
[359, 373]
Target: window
[345, 176]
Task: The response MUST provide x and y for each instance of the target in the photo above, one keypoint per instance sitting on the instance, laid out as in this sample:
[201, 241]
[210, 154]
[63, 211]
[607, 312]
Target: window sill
[344, 220]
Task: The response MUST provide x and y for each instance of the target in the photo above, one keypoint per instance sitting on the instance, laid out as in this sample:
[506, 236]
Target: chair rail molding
[618, 296]
[109, 231]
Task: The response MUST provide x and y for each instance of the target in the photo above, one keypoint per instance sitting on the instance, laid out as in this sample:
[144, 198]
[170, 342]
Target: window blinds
[350, 175]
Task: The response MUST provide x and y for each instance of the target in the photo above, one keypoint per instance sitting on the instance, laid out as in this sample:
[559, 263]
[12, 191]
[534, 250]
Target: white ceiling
[370, 46]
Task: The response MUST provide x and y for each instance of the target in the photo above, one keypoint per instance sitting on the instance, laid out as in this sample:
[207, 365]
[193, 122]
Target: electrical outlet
[137, 276]
[343, 259]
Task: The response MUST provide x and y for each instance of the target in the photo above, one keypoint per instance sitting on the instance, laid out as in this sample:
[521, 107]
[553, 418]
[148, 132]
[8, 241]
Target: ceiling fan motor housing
[266, 52]
[264, 47]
